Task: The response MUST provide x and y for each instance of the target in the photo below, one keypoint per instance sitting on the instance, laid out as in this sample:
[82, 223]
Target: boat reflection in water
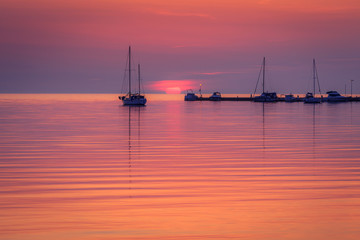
[134, 141]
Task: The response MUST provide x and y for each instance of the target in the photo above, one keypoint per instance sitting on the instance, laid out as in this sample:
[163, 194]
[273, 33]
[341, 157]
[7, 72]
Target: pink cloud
[182, 14]
[217, 73]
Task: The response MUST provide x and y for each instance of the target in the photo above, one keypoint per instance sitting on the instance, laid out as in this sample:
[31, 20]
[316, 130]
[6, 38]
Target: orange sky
[175, 39]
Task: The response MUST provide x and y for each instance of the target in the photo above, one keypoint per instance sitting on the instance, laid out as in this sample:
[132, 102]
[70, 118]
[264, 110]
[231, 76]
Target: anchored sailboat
[133, 98]
[265, 96]
[310, 97]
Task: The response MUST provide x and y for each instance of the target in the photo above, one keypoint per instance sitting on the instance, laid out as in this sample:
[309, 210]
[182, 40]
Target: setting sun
[172, 86]
[173, 90]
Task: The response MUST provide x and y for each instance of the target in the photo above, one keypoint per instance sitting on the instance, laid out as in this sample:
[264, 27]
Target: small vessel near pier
[310, 96]
[291, 98]
[265, 96]
[334, 96]
[216, 96]
[190, 96]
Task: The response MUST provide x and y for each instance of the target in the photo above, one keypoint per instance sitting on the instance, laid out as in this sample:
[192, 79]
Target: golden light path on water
[86, 167]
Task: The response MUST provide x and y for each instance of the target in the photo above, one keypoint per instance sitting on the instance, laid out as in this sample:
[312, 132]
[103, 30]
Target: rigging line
[142, 86]
[309, 79]
[258, 78]
[124, 77]
[139, 76]
[317, 78]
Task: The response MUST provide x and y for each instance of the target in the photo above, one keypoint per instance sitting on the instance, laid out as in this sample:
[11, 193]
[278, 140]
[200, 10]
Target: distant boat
[216, 96]
[310, 97]
[334, 96]
[133, 98]
[291, 98]
[191, 96]
[265, 96]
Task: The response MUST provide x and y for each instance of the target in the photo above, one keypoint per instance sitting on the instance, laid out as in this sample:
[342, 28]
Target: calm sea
[86, 167]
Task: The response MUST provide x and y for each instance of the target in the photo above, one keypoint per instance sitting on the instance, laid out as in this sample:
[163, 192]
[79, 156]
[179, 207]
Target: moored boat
[133, 98]
[265, 96]
[190, 96]
[310, 97]
[216, 96]
[334, 96]
[291, 98]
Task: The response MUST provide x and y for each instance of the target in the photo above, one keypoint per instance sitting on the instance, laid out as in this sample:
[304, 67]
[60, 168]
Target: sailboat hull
[312, 100]
[266, 97]
[336, 99]
[133, 100]
[138, 103]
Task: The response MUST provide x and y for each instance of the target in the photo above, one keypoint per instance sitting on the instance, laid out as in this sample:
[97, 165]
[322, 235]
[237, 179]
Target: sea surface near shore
[82, 166]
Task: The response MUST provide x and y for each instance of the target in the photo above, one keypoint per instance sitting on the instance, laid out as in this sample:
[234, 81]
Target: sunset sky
[81, 46]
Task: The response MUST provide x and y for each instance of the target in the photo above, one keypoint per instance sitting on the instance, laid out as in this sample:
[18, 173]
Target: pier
[251, 99]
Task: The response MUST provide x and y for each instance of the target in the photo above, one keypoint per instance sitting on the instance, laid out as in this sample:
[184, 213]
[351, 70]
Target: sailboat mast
[129, 70]
[314, 74]
[263, 75]
[139, 77]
